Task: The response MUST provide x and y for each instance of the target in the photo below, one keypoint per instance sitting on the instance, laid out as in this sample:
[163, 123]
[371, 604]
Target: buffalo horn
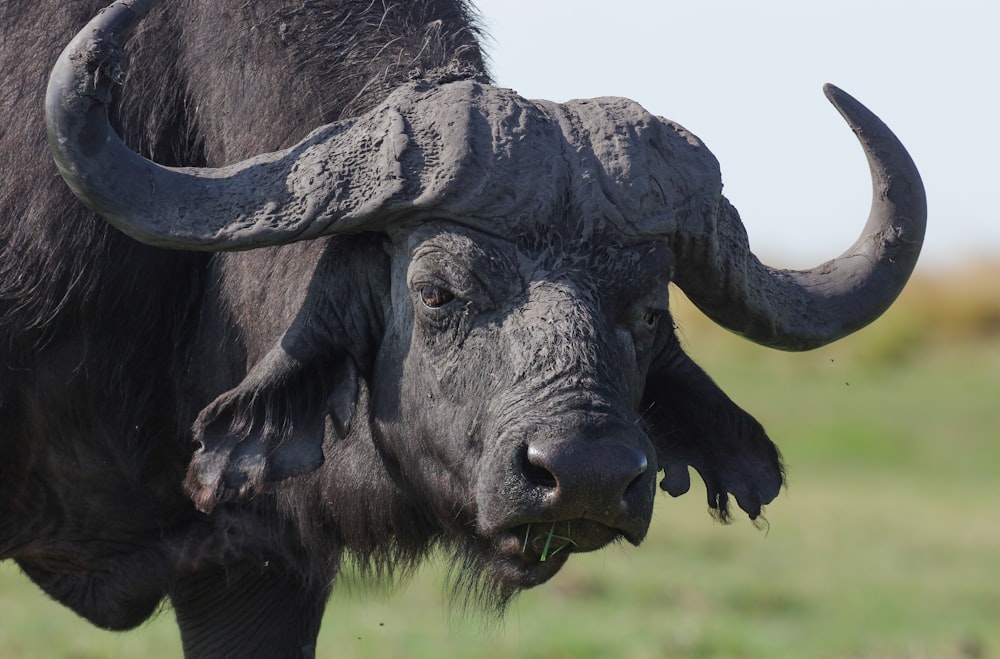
[354, 176]
[805, 309]
[271, 199]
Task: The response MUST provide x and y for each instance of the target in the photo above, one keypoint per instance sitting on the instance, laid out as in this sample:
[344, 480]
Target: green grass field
[885, 544]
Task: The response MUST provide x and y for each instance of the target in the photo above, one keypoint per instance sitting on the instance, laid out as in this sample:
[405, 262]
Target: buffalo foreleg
[248, 611]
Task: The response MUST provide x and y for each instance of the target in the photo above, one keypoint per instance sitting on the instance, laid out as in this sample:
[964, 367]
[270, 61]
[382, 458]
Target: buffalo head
[525, 384]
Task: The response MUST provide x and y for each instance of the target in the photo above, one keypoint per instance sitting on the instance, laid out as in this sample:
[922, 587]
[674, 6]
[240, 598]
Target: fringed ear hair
[270, 427]
[692, 422]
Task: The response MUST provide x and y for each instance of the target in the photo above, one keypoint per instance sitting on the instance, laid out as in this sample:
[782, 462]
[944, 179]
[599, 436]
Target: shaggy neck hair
[209, 83]
[111, 322]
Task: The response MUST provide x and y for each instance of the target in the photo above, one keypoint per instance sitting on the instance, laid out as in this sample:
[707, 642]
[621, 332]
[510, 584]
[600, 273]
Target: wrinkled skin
[510, 391]
[518, 358]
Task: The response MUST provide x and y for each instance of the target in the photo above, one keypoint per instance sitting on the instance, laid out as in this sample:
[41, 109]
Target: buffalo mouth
[532, 553]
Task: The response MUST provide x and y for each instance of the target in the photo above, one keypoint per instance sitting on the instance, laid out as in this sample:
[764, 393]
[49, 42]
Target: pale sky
[746, 77]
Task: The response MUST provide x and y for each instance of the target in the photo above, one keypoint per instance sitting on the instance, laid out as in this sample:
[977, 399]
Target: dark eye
[435, 296]
[650, 318]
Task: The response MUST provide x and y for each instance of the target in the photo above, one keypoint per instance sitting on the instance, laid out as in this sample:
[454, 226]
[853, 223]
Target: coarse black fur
[96, 330]
[117, 359]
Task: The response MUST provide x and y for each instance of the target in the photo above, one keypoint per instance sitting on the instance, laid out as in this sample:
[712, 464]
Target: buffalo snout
[594, 484]
[601, 481]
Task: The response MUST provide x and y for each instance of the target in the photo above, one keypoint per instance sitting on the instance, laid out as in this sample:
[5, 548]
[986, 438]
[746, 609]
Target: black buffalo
[438, 320]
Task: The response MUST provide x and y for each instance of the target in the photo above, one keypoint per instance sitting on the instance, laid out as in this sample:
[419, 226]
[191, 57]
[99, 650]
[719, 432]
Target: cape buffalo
[440, 319]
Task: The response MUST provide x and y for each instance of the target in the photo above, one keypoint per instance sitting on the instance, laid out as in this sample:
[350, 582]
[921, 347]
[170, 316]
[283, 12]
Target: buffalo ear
[693, 422]
[272, 425]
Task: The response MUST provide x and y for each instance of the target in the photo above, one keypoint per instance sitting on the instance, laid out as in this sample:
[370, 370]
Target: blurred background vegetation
[886, 542]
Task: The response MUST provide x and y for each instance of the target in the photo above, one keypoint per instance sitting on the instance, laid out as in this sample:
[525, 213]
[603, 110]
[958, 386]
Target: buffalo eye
[650, 318]
[435, 296]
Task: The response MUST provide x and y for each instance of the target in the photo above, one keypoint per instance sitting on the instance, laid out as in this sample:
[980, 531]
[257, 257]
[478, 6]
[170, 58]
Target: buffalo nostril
[640, 468]
[535, 469]
[602, 472]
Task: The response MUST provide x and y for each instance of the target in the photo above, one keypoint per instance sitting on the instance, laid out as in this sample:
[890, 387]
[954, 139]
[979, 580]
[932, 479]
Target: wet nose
[595, 480]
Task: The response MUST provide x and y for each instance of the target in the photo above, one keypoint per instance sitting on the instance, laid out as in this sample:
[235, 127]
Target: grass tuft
[547, 549]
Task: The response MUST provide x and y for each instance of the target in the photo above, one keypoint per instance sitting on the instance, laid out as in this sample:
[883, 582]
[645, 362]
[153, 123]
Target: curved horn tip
[832, 91]
[848, 106]
[123, 14]
[855, 113]
[96, 48]
[116, 21]
[805, 309]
